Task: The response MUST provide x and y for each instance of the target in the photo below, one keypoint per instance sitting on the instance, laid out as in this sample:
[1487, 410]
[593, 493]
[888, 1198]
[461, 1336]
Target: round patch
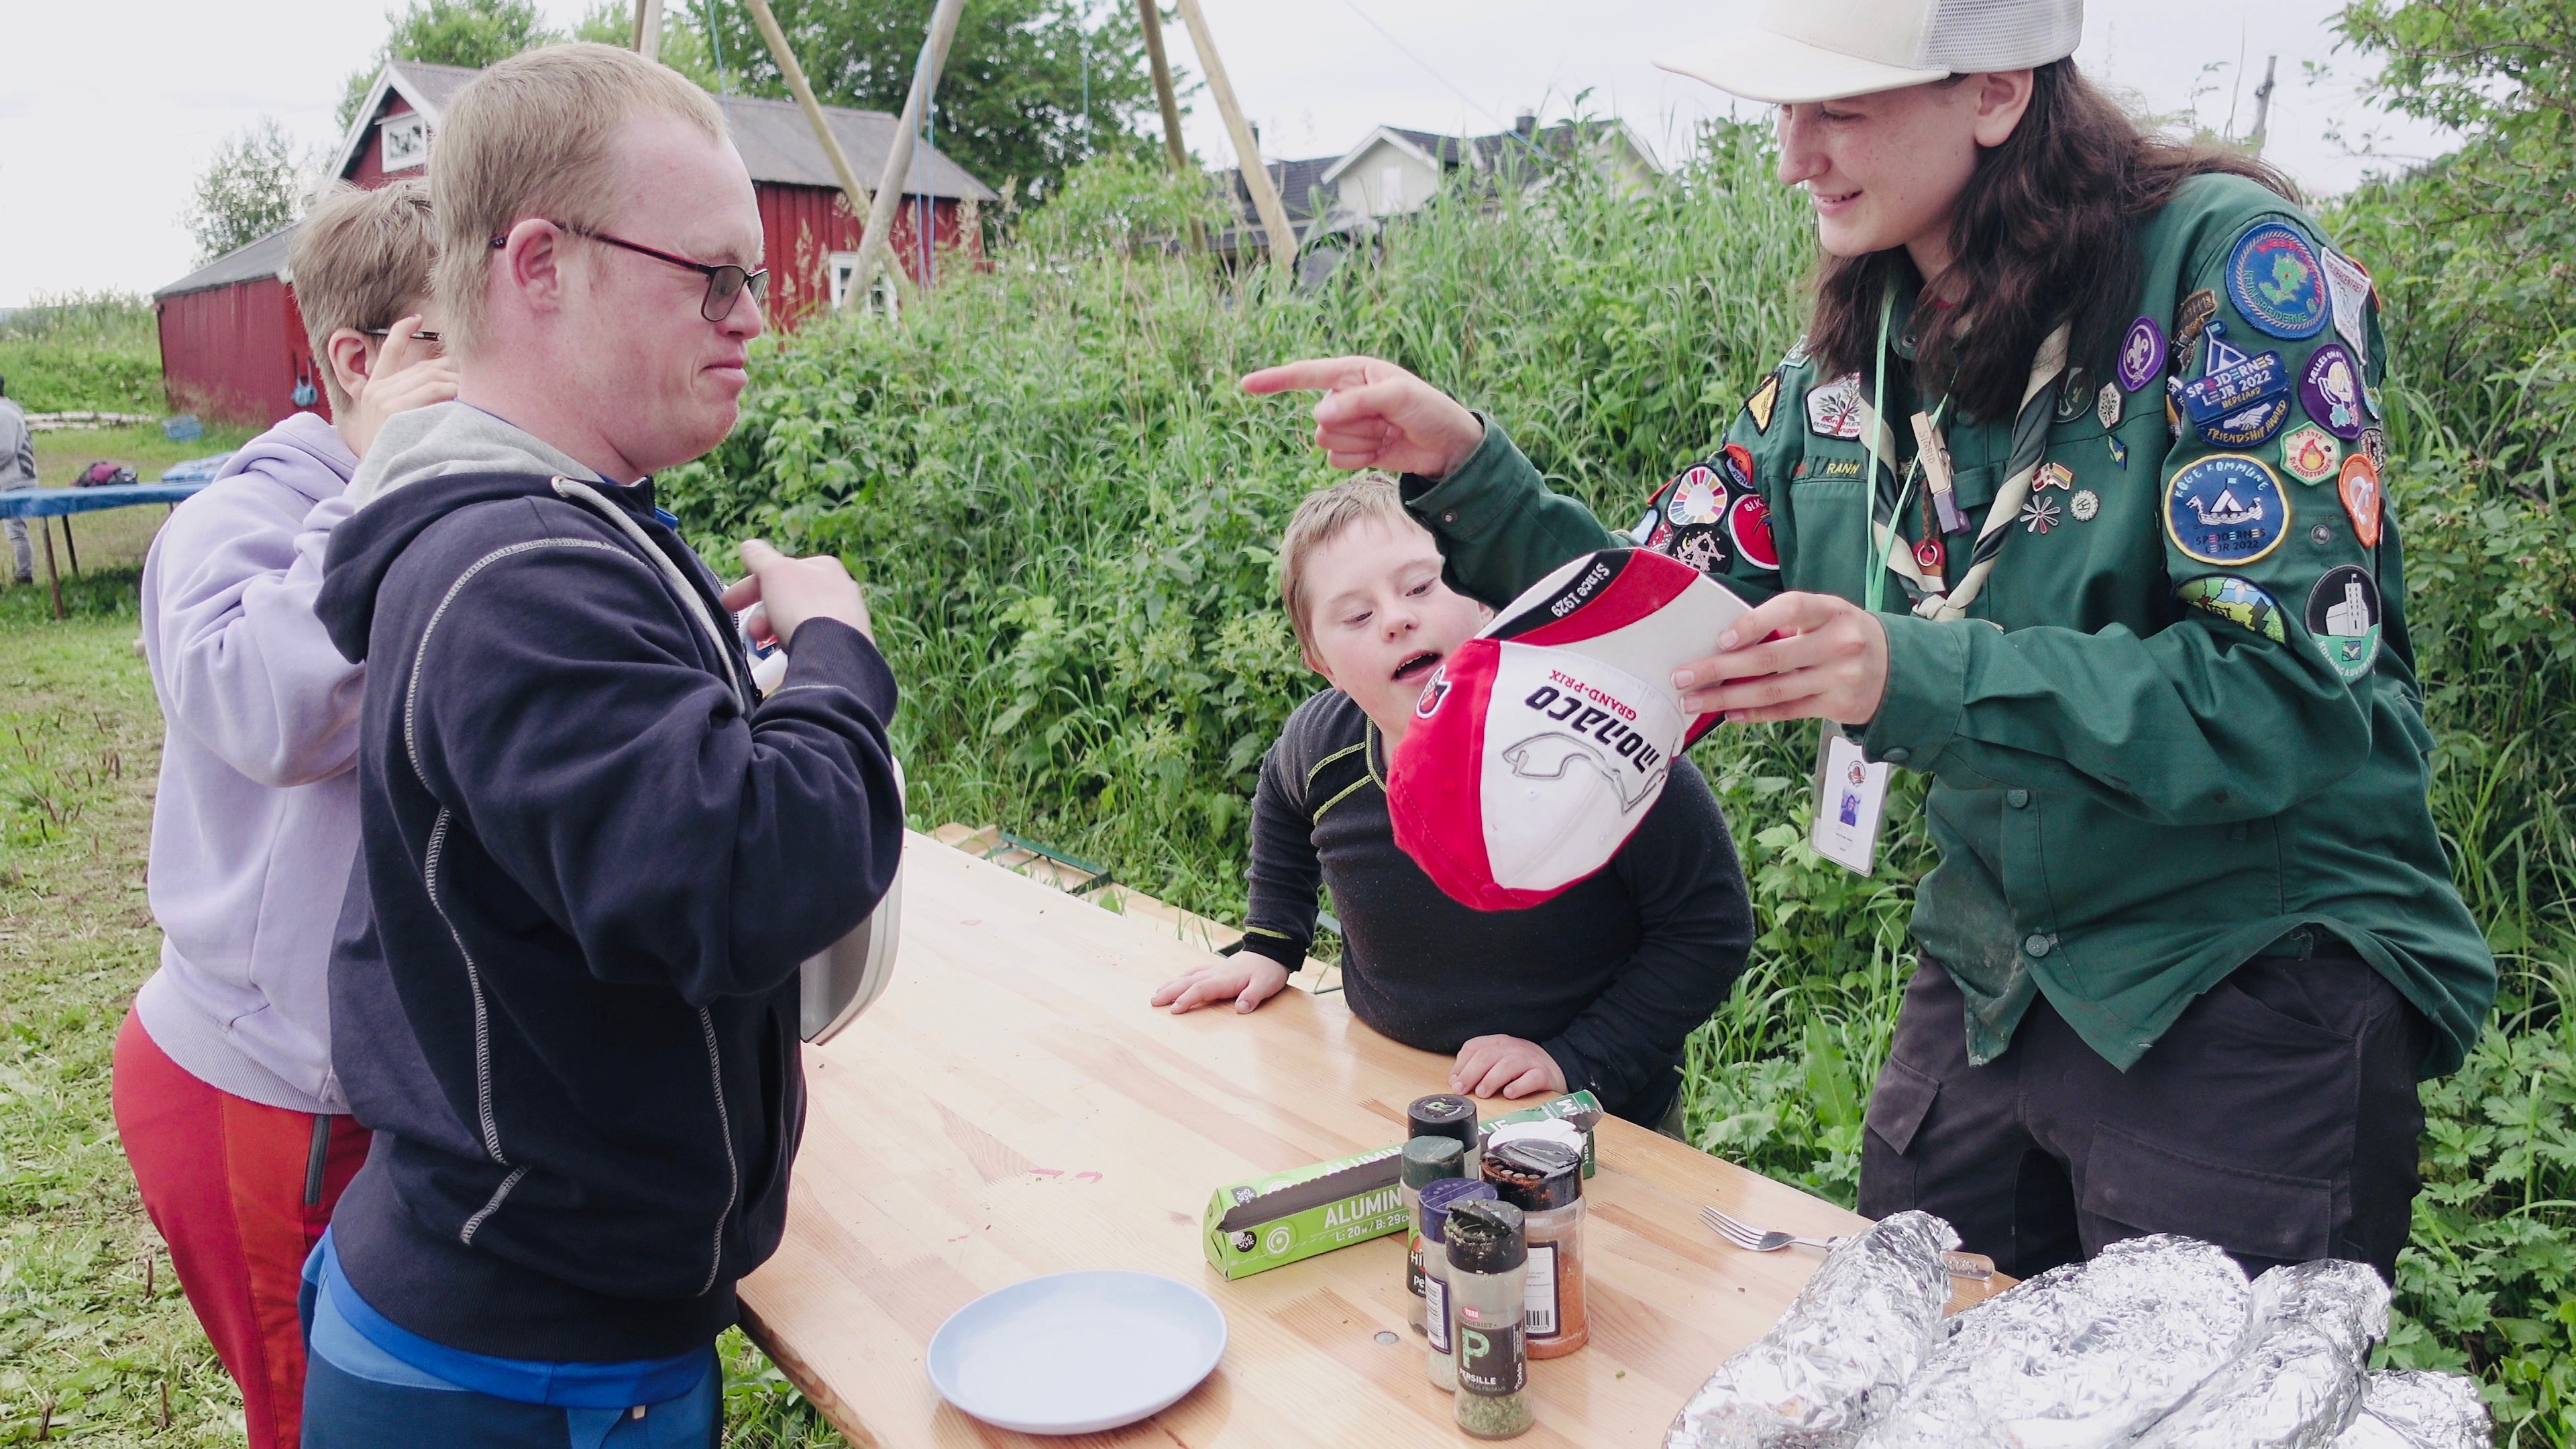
[1697, 498]
[2073, 395]
[1700, 547]
[2330, 389]
[2274, 280]
[2236, 601]
[2358, 485]
[1749, 524]
[2142, 354]
[1739, 464]
[2343, 619]
[2248, 426]
[2106, 405]
[2084, 505]
[2374, 446]
[2226, 509]
[2310, 454]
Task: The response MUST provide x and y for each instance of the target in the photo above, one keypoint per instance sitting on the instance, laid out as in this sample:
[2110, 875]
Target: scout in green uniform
[2088, 528]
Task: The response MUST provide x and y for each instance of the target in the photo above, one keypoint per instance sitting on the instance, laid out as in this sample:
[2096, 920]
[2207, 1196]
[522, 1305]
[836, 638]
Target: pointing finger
[1309, 375]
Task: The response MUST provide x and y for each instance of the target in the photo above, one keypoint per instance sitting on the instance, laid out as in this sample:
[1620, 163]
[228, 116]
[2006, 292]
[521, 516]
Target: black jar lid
[1429, 1159]
[1446, 1115]
[1447, 1193]
[1487, 1237]
[1535, 1175]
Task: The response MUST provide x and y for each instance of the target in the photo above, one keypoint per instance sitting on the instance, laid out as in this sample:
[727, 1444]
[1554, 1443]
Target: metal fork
[1765, 1240]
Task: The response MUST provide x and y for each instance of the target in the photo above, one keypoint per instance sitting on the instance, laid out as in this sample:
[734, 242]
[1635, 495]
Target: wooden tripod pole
[794, 75]
[874, 242]
[1256, 177]
[1151, 11]
[648, 29]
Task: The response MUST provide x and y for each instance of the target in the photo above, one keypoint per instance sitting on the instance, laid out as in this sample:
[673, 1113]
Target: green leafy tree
[254, 185]
[1032, 87]
[451, 32]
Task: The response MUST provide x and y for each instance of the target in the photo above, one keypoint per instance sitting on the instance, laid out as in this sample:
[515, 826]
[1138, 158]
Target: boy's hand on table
[1249, 979]
[1505, 1066]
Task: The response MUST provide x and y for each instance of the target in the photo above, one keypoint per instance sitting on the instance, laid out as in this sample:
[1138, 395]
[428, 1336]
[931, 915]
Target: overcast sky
[106, 116]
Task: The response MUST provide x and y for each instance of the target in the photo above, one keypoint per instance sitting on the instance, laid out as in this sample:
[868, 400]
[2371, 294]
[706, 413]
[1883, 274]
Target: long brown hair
[2045, 232]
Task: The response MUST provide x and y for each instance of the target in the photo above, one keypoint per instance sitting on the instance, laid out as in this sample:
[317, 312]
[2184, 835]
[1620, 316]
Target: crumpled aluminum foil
[1838, 1357]
[2296, 1380]
[2083, 1355]
[2417, 1409]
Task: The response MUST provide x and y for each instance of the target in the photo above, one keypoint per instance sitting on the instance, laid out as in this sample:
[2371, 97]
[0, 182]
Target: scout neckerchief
[2029, 449]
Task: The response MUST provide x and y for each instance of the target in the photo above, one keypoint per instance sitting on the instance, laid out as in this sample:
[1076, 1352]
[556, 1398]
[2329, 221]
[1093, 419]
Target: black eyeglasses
[724, 283]
[416, 336]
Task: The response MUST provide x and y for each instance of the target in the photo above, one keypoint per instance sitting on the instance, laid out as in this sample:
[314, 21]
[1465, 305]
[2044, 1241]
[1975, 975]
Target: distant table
[1012, 1107]
[62, 503]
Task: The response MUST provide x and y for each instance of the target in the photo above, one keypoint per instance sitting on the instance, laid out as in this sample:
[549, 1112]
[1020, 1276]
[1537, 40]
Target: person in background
[236, 1127]
[17, 470]
[1593, 990]
[592, 856]
[2069, 500]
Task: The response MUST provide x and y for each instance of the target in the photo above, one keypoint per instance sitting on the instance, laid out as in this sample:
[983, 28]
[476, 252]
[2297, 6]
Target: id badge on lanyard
[1851, 792]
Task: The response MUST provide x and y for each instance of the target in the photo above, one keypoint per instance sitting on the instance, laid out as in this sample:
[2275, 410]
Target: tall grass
[1065, 510]
[95, 351]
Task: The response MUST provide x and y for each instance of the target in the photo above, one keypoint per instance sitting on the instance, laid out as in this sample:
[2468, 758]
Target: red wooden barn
[232, 341]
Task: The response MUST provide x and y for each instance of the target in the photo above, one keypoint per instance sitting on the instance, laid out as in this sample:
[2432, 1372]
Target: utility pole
[1247, 150]
[648, 29]
[1151, 11]
[2262, 107]
[925, 79]
[794, 75]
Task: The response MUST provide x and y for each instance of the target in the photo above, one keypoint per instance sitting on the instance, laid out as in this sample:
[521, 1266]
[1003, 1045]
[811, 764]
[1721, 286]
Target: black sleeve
[1680, 869]
[620, 784]
[1279, 919]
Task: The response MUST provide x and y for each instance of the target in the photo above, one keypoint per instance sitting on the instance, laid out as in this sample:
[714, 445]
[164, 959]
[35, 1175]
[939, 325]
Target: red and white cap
[1539, 746]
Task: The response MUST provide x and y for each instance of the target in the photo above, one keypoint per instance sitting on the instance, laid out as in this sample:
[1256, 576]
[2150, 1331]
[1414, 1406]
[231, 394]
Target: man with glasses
[592, 855]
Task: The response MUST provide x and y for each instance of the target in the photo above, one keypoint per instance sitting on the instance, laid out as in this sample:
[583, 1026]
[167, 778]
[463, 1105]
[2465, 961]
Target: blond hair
[1326, 514]
[359, 261]
[531, 137]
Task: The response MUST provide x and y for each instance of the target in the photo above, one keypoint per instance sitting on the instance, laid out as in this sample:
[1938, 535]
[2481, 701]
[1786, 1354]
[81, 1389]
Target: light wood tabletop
[1013, 1107]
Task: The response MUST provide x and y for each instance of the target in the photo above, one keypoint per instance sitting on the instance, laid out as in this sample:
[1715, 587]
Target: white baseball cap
[1822, 50]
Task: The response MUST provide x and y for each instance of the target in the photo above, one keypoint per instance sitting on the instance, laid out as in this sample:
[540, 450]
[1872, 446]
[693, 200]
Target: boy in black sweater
[1594, 989]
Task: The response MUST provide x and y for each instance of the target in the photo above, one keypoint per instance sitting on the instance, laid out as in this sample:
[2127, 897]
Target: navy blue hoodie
[565, 986]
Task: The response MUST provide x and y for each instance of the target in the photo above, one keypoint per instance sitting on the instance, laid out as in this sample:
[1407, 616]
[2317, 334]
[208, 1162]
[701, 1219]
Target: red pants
[232, 1186]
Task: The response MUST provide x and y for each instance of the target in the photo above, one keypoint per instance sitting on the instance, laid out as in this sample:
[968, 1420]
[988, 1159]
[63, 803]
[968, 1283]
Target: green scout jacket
[2177, 726]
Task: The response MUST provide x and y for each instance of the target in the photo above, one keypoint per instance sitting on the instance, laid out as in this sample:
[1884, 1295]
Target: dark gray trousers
[2277, 1118]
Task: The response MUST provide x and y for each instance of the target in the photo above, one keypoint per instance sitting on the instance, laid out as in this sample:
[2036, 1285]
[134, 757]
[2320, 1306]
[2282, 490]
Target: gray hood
[454, 437]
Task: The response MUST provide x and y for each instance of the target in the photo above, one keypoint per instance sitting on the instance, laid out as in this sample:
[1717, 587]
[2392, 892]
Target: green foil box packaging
[1287, 1217]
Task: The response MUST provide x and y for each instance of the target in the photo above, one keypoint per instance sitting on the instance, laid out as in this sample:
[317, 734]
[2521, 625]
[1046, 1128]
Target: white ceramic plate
[1076, 1353]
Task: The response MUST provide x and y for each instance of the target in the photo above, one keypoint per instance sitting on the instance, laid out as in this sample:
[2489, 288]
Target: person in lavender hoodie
[235, 1124]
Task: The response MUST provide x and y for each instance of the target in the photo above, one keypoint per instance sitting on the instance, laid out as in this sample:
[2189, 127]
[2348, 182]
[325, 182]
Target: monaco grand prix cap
[1539, 746]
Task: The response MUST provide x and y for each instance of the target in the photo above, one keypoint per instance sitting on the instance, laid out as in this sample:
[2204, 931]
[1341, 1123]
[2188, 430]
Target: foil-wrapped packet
[2417, 1409]
[1837, 1358]
[2083, 1355]
[2296, 1380]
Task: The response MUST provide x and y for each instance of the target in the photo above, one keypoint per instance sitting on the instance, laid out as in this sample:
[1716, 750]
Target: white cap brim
[1761, 65]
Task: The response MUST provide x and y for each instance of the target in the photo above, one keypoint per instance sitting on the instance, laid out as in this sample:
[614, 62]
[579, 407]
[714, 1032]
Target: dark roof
[1302, 191]
[258, 261]
[430, 87]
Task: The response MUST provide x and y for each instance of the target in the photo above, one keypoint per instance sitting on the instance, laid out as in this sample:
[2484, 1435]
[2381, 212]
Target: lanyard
[1876, 561]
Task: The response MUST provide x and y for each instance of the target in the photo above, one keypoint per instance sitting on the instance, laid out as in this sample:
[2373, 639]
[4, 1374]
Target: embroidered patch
[1796, 356]
[2330, 389]
[2084, 505]
[2343, 619]
[1840, 468]
[2358, 486]
[2051, 475]
[2142, 354]
[2374, 446]
[2039, 515]
[2348, 287]
[1833, 411]
[2248, 427]
[1701, 548]
[2189, 319]
[1760, 406]
[1749, 524]
[2275, 281]
[1738, 462]
[2226, 509]
[2106, 405]
[2238, 602]
[2310, 454]
[1697, 498]
[2233, 382]
[2074, 394]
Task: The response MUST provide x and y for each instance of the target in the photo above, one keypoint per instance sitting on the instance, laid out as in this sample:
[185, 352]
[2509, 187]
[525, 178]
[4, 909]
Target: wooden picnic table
[1013, 1107]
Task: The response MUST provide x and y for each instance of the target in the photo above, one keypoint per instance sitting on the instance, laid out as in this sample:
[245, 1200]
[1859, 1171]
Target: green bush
[1064, 510]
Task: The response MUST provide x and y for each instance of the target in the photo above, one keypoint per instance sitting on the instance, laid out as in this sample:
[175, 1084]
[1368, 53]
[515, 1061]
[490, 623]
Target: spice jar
[1438, 1325]
[1445, 1115]
[1545, 1181]
[1488, 1269]
[1426, 1160]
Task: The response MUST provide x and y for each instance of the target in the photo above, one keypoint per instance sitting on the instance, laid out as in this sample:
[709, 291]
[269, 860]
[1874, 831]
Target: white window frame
[403, 141]
[837, 271]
